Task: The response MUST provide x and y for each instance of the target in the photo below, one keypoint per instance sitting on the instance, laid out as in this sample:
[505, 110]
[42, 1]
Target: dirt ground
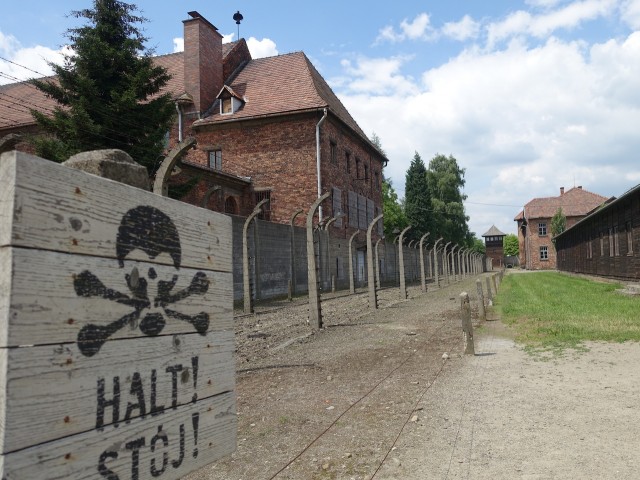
[371, 396]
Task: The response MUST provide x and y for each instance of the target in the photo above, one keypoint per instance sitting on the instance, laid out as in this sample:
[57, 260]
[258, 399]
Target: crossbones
[150, 230]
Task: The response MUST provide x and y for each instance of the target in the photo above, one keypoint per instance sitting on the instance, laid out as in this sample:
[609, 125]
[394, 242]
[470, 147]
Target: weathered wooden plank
[55, 298]
[165, 446]
[70, 393]
[49, 206]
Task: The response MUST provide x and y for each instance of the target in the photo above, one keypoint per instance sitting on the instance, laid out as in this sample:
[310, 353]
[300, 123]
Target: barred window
[265, 211]
[544, 253]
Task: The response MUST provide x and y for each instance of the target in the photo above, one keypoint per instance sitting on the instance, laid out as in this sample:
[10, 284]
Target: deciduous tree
[558, 223]
[446, 180]
[510, 245]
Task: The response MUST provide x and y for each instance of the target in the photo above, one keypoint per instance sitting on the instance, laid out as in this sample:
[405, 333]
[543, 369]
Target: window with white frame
[215, 159]
[542, 229]
[629, 231]
[544, 252]
[616, 242]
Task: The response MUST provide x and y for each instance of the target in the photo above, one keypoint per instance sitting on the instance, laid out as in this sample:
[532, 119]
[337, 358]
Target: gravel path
[370, 396]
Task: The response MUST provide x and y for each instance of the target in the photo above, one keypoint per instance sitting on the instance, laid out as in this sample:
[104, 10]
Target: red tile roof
[282, 84]
[17, 99]
[576, 202]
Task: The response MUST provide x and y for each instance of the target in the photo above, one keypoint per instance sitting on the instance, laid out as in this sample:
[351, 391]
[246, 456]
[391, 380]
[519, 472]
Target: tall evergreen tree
[417, 198]
[107, 90]
[446, 180]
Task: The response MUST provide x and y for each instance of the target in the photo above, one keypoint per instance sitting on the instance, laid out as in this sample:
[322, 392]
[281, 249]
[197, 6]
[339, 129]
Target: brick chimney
[561, 190]
[202, 61]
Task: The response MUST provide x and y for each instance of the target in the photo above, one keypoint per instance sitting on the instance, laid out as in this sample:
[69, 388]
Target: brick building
[265, 128]
[537, 251]
[493, 242]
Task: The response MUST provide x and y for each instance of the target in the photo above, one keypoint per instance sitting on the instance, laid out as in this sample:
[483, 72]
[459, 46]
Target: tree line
[433, 202]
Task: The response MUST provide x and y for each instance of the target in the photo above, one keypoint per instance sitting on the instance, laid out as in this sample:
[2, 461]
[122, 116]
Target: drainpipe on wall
[324, 117]
[179, 122]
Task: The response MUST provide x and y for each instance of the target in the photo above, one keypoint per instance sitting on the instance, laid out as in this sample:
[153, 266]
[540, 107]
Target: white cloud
[258, 48]
[178, 45]
[542, 3]
[418, 29]
[377, 76]
[262, 48]
[25, 63]
[630, 13]
[542, 25]
[462, 30]
[523, 121]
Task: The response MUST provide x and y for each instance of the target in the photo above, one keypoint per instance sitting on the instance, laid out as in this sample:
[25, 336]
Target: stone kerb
[116, 297]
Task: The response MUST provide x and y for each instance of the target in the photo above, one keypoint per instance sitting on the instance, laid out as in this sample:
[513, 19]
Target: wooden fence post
[482, 314]
[467, 327]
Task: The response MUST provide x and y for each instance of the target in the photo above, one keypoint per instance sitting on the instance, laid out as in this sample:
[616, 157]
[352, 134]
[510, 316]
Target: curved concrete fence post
[452, 261]
[373, 295]
[445, 263]
[161, 183]
[378, 262]
[403, 284]
[246, 282]
[315, 309]
[292, 258]
[423, 279]
[352, 285]
[436, 274]
[207, 195]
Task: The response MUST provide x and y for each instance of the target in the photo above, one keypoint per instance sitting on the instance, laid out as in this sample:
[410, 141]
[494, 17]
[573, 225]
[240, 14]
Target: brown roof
[17, 99]
[493, 232]
[279, 85]
[576, 202]
[283, 84]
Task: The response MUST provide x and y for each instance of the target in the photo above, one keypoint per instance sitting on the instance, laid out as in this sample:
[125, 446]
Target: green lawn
[553, 310]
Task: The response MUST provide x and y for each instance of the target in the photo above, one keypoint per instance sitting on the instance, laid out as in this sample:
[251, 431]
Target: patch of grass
[553, 311]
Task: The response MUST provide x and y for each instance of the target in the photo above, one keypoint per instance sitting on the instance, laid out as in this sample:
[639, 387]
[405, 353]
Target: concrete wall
[270, 260]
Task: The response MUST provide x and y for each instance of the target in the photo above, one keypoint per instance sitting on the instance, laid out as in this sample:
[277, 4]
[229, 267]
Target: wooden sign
[116, 329]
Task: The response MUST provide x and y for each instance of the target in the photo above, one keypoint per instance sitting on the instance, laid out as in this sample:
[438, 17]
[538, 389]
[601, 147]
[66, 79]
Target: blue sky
[529, 96]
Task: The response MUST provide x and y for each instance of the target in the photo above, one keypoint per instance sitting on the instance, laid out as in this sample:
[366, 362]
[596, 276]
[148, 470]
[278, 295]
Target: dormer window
[230, 102]
[226, 106]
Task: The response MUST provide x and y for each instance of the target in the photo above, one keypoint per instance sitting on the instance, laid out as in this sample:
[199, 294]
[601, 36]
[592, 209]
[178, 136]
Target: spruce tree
[107, 91]
[417, 198]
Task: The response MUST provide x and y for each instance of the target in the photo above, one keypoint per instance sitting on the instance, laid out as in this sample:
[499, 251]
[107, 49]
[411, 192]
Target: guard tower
[493, 243]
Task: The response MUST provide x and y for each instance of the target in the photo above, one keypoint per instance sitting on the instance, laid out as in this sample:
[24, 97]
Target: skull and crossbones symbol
[151, 231]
